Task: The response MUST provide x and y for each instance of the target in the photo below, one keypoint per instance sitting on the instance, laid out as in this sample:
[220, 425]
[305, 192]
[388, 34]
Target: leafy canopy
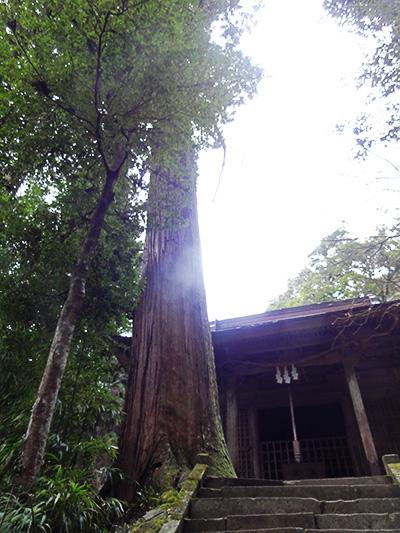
[379, 19]
[81, 80]
[342, 267]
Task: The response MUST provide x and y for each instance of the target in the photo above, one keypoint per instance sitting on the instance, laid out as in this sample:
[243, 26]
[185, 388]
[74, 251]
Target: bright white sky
[290, 178]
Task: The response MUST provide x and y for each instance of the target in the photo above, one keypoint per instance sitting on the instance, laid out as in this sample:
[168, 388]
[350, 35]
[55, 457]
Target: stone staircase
[307, 506]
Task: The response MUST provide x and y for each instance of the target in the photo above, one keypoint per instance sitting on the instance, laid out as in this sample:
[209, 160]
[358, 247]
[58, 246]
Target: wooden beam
[249, 368]
[272, 345]
[232, 421]
[361, 417]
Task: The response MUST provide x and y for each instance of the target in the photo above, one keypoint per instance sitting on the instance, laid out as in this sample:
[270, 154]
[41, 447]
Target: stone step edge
[301, 530]
[342, 481]
[224, 520]
[279, 529]
[290, 514]
[305, 513]
[383, 479]
[294, 485]
[371, 491]
[221, 507]
[299, 499]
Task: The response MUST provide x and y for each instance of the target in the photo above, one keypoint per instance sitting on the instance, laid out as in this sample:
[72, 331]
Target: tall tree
[171, 404]
[344, 267]
[100, 86]
[172, 400]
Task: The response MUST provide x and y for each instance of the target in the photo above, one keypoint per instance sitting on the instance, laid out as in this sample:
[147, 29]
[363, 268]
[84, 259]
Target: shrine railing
[333, 452]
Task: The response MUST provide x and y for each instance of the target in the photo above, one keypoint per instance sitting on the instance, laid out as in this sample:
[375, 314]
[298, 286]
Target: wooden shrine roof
[323, 332]
[290, 313]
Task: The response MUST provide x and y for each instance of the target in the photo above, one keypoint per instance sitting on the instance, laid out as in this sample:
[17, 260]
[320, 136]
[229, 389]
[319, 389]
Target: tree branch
[96, 90]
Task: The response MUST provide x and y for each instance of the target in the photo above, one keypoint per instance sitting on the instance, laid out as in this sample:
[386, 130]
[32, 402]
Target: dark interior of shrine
[312, 421]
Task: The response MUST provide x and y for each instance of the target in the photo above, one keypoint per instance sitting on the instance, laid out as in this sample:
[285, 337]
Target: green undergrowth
[66, 503]
[65, 499]
[62, 502]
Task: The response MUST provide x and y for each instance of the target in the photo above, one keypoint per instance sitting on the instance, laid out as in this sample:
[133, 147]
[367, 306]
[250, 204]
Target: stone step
[346, 505]
[362, 505]
[218, 482]
[301, 530]
[204, 524]
[243, 522]
[374, 521]
[306, 521]
[367, 480]
[221, 507]
[269, 530]
[238, 522]
[325, 492]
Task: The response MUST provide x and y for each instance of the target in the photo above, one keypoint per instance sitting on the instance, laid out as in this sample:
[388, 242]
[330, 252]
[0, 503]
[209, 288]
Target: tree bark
[43, 408]
[172, 409]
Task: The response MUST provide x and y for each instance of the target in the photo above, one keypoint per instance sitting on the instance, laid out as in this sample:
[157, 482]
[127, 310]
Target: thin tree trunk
[172, 409]
[43, 408]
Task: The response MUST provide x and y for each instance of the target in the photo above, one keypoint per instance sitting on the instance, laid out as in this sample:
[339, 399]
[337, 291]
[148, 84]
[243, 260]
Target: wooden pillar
[254, 442]
[232, 421]
[361, 417]
[353, 436]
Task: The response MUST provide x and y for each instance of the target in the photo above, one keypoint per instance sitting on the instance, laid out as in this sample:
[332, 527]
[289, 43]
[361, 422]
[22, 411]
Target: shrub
[62, 503]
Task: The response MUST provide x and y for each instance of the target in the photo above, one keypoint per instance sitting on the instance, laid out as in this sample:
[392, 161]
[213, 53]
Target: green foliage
[379, 19]
[343, 267]
[40, 232]
[63, 503]
[81, 79]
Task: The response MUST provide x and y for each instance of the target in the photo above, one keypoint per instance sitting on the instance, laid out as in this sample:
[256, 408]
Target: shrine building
[311, 391]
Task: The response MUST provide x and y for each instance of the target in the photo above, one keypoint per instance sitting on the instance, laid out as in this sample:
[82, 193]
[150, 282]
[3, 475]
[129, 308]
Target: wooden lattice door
[245, 455]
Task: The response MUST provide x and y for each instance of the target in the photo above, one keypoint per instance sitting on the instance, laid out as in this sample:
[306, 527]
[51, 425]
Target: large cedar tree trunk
[172, 409]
